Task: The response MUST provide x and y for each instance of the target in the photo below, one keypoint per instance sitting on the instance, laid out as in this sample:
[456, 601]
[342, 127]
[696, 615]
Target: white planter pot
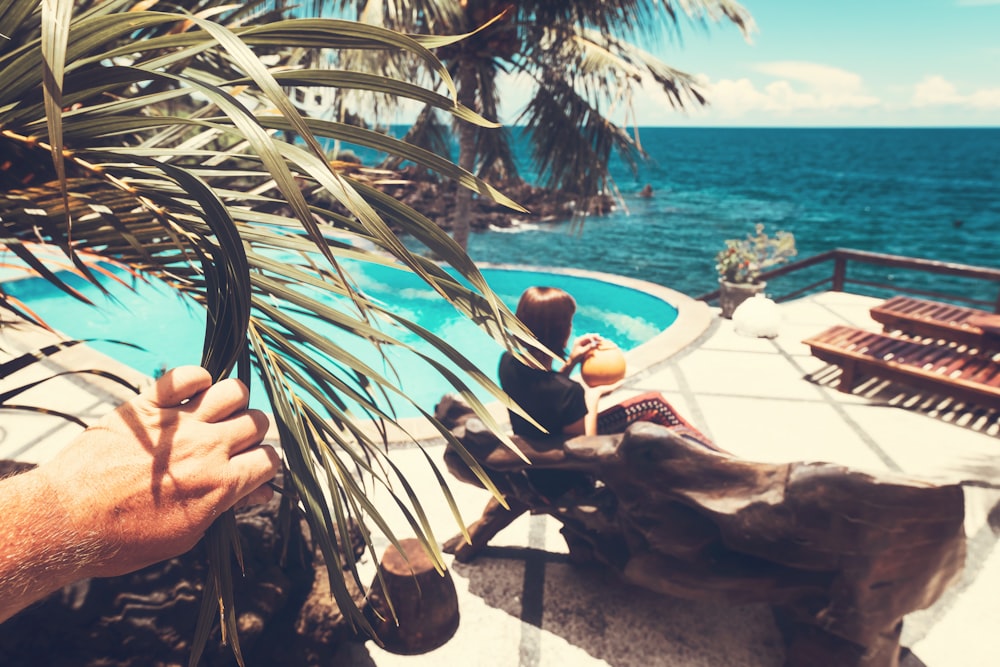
[732, 295]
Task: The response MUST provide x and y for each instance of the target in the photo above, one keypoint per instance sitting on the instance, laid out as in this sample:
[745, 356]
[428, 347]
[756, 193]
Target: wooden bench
[936, 320]
[842, 555]
[940, 367]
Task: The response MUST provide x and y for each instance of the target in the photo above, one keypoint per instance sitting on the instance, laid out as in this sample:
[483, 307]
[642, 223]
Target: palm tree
[167, 141]
[582, 63]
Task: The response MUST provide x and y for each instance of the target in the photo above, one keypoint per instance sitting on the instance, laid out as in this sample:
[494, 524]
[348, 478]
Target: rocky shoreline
[436, 199]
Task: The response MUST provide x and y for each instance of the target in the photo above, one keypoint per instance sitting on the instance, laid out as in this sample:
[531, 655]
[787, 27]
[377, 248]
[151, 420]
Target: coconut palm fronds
[169, 141]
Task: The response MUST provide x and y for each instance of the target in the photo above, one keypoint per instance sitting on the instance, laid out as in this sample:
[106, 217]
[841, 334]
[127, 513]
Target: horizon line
[785, 127]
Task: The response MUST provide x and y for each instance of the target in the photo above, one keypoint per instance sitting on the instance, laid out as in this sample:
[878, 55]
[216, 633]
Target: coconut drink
[604, 365]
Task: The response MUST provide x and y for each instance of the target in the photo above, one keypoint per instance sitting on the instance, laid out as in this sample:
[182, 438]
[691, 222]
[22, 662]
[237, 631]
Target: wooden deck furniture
[842, 555]
[937, 320]
[955, 370]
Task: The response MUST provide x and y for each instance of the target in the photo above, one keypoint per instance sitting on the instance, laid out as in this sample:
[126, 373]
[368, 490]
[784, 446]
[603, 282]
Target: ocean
[929, 193]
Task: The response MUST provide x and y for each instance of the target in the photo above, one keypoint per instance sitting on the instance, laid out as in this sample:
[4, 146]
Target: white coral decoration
[757, 317]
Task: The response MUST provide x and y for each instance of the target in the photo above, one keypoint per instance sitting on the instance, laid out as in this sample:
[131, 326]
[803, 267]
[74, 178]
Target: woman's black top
[551, 398]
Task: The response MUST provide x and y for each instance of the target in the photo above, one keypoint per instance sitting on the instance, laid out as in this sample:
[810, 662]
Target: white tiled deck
[522, 604]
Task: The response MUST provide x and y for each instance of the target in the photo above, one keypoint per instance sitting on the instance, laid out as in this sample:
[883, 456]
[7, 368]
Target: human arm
[587, 425]
[140, 486]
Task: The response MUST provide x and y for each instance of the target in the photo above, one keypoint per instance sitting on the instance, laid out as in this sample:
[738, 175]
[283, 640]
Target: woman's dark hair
[548, 313]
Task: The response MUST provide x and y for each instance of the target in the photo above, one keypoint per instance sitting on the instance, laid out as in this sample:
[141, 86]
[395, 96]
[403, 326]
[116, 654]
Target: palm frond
[427, 132]
[176, 148]
[570, 134]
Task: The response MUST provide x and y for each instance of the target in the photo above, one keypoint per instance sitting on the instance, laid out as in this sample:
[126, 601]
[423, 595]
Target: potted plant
[741, 262]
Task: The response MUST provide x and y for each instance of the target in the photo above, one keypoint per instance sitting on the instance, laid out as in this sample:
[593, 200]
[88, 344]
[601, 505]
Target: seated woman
[554, 400]
[563, 407]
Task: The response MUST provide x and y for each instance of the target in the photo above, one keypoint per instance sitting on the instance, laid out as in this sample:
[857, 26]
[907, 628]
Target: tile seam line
[533, 595]
[837, 407]
[841, 412]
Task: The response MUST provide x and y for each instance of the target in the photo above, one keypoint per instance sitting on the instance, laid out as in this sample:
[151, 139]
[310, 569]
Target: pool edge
[693, 319]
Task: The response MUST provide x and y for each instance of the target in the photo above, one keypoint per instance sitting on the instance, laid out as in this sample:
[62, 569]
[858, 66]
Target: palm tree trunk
[465, 82]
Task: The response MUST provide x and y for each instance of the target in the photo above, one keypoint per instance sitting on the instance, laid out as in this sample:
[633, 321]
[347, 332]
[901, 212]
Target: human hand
[583, 347]
[145, 482]
[605, 389]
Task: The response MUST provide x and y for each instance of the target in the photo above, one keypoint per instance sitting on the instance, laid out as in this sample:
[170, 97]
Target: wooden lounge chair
[943, 368]
[936, 320]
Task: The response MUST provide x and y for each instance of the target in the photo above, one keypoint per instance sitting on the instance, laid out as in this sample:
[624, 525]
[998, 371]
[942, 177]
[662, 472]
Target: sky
[826, 63]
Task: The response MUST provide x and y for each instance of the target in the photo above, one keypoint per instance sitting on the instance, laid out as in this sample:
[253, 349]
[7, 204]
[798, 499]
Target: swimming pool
[169, 328]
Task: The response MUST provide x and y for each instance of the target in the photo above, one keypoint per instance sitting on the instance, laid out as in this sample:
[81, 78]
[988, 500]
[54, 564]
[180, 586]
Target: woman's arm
[587, 425]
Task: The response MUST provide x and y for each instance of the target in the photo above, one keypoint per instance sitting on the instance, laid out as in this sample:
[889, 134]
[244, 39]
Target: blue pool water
[170, 328]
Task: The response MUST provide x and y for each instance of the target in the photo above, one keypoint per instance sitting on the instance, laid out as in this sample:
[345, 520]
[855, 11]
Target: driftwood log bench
[842, 555]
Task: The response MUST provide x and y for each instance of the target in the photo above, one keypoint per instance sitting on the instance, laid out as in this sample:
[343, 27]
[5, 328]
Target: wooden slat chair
[948, 369]
[933, 319]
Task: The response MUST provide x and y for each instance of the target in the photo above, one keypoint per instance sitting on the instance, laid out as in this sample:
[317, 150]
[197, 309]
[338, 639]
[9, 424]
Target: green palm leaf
[175, 150]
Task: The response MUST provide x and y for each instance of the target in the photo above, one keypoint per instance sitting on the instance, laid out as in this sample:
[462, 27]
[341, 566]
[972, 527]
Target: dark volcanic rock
[436, 201]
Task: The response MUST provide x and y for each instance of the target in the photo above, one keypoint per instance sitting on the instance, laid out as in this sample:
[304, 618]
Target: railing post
[839, 273]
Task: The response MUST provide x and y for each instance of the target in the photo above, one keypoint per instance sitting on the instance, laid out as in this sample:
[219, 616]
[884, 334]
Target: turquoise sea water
[931, 193]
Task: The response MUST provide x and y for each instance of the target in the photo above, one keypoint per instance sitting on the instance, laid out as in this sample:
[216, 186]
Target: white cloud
[789, 89]
[988, 98]
[802, 93]
[798, 87]
[937, 91]
[814, 75]
[732, 98]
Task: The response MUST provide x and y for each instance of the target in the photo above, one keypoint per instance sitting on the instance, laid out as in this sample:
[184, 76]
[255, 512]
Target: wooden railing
[838, 278]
